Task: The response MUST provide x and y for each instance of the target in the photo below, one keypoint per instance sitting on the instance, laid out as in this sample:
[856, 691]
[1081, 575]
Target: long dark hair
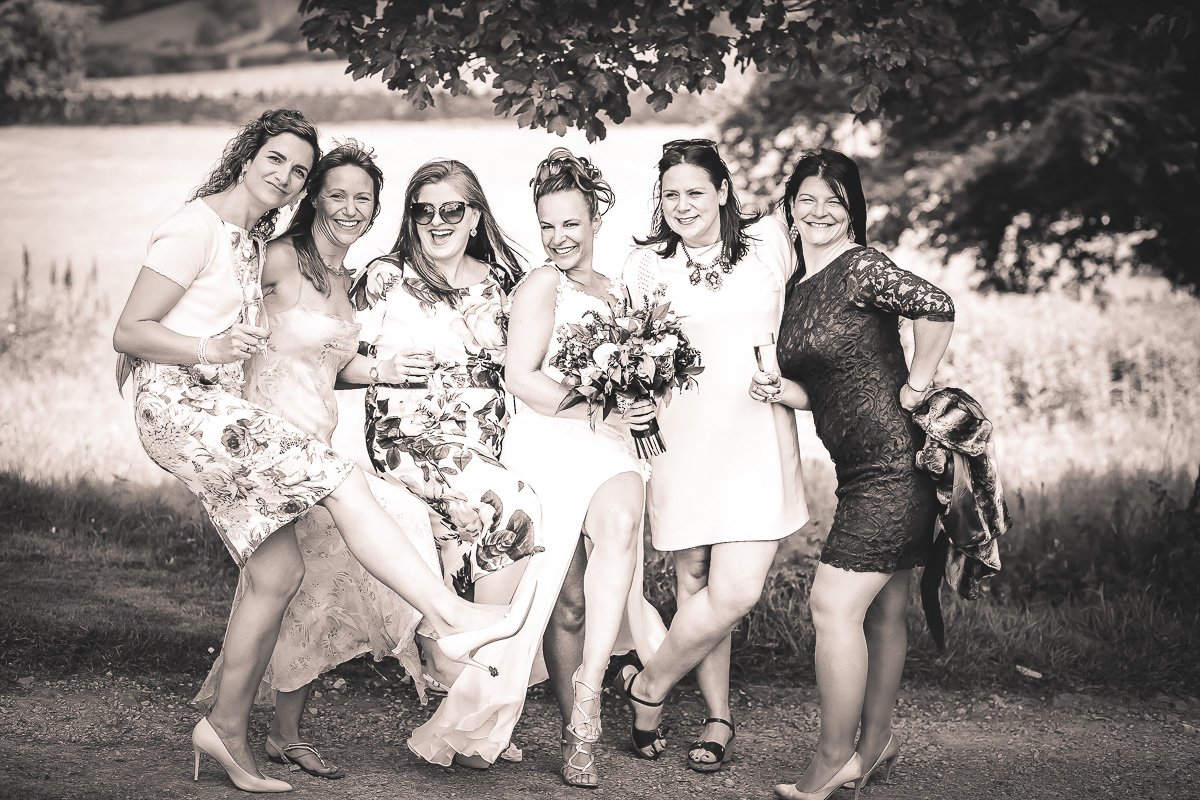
[563, 171]
[490, 246]
[245, 145]
[840, 174]
[350, 153]
[701, 153]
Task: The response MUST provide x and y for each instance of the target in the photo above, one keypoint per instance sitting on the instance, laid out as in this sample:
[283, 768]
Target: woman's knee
[615, 528]
[570, 610]
[832, 608]
[691, 569]
[279, 577]
[735, 599]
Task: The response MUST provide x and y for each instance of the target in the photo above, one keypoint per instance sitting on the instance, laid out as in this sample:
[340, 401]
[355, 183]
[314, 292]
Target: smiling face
[344, 204]
[277, 173]
[691, 204]
[444, 241]
[568, 229]
[820, 215]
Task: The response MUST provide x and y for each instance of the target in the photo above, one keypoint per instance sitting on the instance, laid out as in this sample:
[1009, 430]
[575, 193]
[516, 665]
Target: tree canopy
[1008, 128]
[41, 48]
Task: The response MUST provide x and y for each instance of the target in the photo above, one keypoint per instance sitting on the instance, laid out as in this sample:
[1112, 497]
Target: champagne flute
[254, 312]
[764, 352]
[422, 342]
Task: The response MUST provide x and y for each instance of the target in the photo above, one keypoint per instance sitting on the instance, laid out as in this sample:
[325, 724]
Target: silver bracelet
[201, 347]
[919, 391]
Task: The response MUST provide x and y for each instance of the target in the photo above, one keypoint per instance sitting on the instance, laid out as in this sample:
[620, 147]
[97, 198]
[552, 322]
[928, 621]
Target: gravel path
[101, 737]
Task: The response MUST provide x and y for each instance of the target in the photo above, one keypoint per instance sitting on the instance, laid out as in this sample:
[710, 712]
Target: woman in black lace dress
[840, 356]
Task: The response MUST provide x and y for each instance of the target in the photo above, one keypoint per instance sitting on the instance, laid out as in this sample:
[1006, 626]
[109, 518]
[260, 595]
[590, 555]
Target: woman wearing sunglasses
[434, 306]
[590, 481]
[728, 488]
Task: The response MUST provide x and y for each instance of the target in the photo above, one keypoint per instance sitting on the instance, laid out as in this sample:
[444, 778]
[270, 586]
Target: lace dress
[340, 611]
[840, 338]
[566, 462]
[443, 441]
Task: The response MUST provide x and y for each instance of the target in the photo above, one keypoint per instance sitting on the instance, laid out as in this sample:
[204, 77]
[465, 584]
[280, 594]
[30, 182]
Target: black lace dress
[840, 338]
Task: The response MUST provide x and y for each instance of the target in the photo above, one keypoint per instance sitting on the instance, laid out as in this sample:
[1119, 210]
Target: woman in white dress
[728, 488]
[589, 480]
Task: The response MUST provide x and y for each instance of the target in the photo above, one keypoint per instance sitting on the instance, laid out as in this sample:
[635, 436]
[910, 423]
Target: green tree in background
[41, 48]
[1065, 129]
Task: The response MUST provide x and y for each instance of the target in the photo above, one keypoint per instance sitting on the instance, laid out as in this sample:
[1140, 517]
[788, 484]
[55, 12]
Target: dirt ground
[101, 737]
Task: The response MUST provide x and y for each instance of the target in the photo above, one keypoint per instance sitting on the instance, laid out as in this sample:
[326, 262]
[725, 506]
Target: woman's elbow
[121, 339]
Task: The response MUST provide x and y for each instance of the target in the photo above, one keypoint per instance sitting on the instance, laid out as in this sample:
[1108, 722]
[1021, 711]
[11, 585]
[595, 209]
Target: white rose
[665, 345]
[602, 354]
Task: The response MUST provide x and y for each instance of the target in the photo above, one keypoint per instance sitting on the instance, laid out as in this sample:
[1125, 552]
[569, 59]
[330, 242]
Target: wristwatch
[373, 373]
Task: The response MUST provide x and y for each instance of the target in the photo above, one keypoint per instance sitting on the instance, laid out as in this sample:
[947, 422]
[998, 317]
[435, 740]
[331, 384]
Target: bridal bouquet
[641, 353]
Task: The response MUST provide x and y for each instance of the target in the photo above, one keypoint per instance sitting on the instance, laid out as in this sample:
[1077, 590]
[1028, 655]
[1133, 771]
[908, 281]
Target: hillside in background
[148, 38]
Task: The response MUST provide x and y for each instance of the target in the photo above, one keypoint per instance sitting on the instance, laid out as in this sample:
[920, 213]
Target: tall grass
[103, 562]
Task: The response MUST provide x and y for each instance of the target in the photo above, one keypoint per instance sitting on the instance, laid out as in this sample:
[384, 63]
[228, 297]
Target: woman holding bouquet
[435, 306]
[184, 333]
[585, 472]
[840, 339]
[728, 488]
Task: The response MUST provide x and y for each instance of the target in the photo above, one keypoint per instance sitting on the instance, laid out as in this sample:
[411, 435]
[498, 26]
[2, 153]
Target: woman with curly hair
[190, 323]
[340, 611]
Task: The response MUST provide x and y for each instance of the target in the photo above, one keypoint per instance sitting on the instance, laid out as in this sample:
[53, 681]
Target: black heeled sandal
[722, 752]
[641, 739]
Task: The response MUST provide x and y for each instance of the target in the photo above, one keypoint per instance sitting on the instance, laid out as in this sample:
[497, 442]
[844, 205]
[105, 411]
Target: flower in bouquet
[640, 353]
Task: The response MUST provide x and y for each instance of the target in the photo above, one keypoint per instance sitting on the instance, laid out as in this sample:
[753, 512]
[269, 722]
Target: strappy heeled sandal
[279, 754]
[581, 774]
[642, 740]
[721, 752]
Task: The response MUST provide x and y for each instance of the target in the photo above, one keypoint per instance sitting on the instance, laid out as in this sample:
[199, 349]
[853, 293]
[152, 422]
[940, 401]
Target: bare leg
[270, 580]
[887, 646]
[613, 523]
[712, 673]
[285, 729]
[839, 600]
[562, 643]
[736, 574]
[384, 551]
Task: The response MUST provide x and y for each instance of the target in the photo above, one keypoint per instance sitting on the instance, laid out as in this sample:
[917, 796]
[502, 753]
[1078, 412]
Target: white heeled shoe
[205, 740]
[461, 647]
[851, 771]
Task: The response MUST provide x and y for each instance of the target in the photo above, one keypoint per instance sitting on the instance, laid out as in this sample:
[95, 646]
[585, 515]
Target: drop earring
[241, 178]
[850, 231]
[473, 230]
[794, 231]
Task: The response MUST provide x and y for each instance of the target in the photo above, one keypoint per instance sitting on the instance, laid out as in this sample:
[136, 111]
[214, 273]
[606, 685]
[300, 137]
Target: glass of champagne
[422, 343]
[253, 311]
[764, 352]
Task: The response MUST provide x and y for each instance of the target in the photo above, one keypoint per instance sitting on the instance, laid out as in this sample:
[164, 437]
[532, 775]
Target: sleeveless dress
[566, 462]
[731, 471]
[340, 611]
[443, 441]
[253, 470]
[840, 338]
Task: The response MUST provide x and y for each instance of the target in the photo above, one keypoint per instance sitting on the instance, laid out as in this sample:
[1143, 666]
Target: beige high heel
[850, 771]
[887, 760]
[205, 740]
[461, 647]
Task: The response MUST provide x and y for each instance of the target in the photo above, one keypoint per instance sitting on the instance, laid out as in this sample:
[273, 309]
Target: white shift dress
[731, 471]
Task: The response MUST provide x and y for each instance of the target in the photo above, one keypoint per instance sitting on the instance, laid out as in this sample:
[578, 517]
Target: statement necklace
[709, 273]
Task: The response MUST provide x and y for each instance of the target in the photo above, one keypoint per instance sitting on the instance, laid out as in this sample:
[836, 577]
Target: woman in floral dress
[340, 611]
[436, 305]
[184, 334]
[840, 355]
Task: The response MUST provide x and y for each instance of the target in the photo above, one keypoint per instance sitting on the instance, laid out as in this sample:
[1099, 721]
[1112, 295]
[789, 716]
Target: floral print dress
[253, 470]
[443, 441]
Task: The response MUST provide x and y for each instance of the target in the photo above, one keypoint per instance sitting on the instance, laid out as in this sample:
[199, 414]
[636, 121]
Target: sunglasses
[452, 212]
[683, 144]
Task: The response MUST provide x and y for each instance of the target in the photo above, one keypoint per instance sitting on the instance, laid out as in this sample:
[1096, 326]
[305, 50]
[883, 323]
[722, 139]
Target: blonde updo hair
[563, 171]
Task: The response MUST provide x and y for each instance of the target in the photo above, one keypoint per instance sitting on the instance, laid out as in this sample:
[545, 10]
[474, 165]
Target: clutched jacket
[958, 454]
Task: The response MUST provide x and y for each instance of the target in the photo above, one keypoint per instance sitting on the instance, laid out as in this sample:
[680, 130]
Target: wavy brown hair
[563, 171]
[350, 153]
[245, 145]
